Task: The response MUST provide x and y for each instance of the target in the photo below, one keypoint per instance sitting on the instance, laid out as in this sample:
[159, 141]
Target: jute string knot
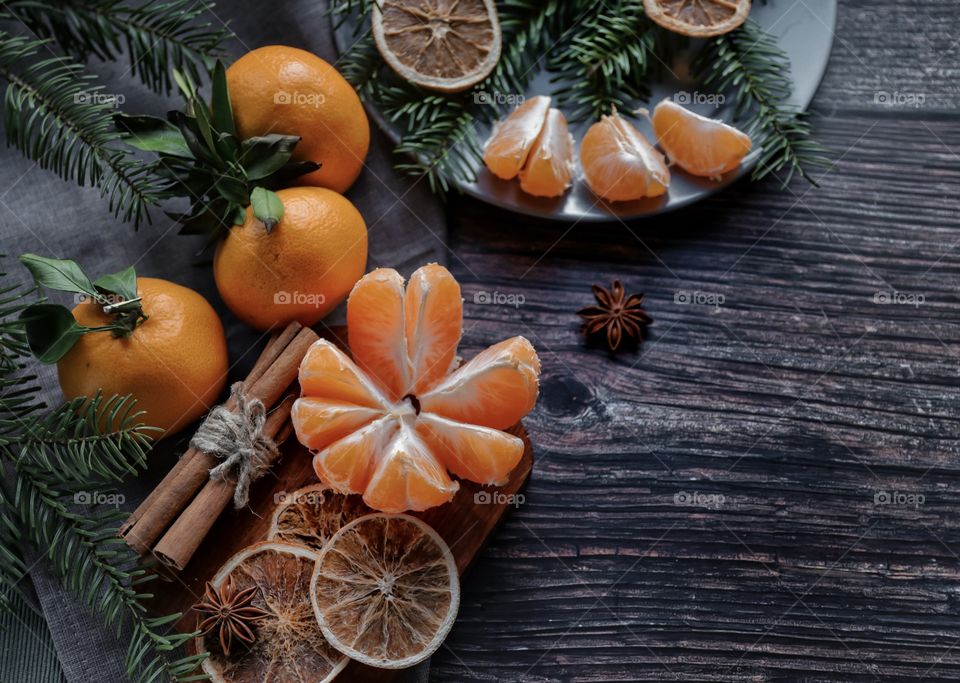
[237, 438]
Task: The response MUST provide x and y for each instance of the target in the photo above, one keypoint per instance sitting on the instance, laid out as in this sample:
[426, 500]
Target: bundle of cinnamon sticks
[175, 518]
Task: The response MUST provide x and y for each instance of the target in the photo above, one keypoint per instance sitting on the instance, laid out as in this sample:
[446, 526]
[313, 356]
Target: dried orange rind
[385, 590]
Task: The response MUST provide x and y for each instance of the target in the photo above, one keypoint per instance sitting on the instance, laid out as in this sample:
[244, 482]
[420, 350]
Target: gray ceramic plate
[804, 29]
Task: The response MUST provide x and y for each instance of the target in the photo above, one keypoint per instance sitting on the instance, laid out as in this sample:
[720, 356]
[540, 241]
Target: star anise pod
[618, 317]
[230, 612]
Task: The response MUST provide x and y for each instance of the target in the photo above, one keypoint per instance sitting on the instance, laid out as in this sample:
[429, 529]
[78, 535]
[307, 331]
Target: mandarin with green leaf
[173, 360]
[294, 258]
[280, 89]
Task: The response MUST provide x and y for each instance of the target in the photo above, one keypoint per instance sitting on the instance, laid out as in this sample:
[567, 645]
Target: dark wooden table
[767, 491]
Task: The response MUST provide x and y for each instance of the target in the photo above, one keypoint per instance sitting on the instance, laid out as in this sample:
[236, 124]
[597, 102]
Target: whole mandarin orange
[174, 362]
[279, 89]
[301, 269]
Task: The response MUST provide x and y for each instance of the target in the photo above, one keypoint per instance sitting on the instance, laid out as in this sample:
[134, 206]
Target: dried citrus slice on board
[312, 515]
[549, 168]
[391, 423]
[620, 164]
[289, 645]
[698, 18]
[445, 45]
[385, 591]
[507, 149]
[698, 145]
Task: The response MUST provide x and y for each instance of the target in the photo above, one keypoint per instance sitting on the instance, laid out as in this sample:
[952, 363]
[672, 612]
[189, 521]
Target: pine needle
[749, 64]
[63, 460]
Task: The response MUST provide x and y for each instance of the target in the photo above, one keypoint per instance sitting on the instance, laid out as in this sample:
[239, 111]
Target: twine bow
[237, 438]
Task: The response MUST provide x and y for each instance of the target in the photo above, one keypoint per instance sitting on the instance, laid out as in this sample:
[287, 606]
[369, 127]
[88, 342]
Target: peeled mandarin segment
[434, 321]
[319, 422]
[698, 145]
[375, 320]
[619, 164]
[327, 372]
[513, 138]
[408, 477]
[549, 168]
[479, 454]
[347, 465]
[495, 389]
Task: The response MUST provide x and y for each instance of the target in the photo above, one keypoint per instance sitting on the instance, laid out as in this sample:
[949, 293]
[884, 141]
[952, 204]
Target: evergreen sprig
[748, 63]
[63, 459]
[57, 115]
[157, 36]
[604, 63]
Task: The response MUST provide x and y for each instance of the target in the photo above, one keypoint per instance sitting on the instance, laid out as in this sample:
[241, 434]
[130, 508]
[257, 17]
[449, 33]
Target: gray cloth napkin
[42, 214]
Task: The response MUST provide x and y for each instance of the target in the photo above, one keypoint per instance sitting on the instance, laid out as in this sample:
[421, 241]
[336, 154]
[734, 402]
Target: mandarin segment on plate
[507, 149]
[698, 145]
[289, 644]
[620, 164]
[549, 168]
[385, 590]
[391, 423]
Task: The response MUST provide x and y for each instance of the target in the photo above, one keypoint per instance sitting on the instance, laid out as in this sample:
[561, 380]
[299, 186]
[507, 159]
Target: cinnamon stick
[181, 541]
[179, 489]
[271, 351]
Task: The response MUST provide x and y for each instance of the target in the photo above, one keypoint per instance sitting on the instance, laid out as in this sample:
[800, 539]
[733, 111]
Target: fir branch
[748, 63]
[530, 29]
[86, 438]
[97, 566]
[55, 115]
[79, 449]
[602, 66]
[360, 65]
[157, 36]
[439, 133]
[12, 567]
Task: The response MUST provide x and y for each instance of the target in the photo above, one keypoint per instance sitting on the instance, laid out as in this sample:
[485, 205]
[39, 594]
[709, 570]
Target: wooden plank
[799, 399]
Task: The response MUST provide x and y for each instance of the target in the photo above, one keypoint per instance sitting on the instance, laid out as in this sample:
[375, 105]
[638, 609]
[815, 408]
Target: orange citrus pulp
[391, 423]
[698, 145]
[533, 142]
[620, 164]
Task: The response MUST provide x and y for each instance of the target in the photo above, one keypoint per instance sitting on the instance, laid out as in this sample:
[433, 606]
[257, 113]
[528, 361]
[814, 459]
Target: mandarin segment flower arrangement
[382, 436]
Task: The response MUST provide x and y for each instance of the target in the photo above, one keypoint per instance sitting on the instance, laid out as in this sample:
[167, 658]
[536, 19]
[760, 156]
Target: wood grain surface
[769, 490]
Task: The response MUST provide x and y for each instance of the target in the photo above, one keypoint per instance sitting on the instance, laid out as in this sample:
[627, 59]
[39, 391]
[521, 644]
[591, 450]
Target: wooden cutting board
[464, 524]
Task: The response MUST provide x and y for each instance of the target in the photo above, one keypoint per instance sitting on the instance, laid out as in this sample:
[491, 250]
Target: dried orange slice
[385, 591]
[391, 423]
[619, 164]
[507, 149]
[445, 45]
[698, 18]
[549, 168]
[312, 515]
[698, 145]
[289, 644]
